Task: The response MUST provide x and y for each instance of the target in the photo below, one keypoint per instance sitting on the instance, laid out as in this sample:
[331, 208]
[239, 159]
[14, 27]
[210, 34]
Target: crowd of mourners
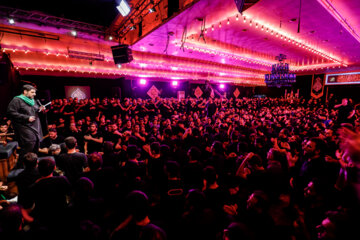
[247, 168]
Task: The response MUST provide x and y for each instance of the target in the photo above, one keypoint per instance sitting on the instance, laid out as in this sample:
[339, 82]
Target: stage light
[118, 65]
[110, 38]
[151, 10]
[74, 33]
[174, 83]
[222, 86]
[123, 8]
[142, 81]
[11, 21]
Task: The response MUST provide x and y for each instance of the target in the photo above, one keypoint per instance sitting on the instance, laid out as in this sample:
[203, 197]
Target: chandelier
[280, 76]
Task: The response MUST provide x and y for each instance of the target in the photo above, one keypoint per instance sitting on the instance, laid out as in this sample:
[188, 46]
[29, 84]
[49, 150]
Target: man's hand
[42, 108]
[32, 118]
[88, 137]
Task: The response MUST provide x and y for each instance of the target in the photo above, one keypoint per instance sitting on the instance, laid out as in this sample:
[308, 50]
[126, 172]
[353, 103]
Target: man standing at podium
[23, 112]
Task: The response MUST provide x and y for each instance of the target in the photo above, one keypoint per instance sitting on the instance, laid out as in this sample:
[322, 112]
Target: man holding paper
[23, 111]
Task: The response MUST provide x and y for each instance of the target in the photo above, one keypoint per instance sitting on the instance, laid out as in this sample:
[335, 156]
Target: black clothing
[49, 196]
[24, 180]
[47, 142]
[72, 164]
[343, 114]
[29, 134]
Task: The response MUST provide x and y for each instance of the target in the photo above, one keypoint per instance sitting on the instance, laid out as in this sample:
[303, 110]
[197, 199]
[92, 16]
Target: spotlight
[74, 33]
[174, 83]
[151, 10]
[11, 21]
[222, 86]
[123, 8]
[142, 81]
[110, 38]
[118, 65]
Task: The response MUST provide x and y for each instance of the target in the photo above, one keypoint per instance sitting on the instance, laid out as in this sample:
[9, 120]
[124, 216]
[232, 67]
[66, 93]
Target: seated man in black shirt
[53, 138]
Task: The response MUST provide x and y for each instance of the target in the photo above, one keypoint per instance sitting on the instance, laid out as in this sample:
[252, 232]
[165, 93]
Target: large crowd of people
[246, 168]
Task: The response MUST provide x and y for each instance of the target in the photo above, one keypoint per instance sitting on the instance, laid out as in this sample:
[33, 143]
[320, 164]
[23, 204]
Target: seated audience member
[72, 163]
[53, 138]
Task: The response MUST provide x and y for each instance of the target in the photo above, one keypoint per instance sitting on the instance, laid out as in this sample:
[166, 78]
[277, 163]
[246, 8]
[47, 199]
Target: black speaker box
[121, 54]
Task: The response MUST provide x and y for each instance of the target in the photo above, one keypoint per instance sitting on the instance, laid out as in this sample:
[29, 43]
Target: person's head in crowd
[314, 147]
[46, 166]
[137, 203]
[155, 148]
[11, 220]
[258, 201]
[195, 200]
[344, 101]
[128, 124]
[30, 160]
[54, 149]
[172, 168]
[72, 127]
[70, 143]
[84, 187]
[209, 176]
[237, 231]
[165, 151]
[194, 154]
[167, 133]
[95, 161]
[217, 148]
[93, 128]
[132, 152]
[136, 129]
[255, 162]
[108, 147]
[259, 142]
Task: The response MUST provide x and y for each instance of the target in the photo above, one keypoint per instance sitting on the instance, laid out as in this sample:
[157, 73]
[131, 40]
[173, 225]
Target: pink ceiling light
[342, 20]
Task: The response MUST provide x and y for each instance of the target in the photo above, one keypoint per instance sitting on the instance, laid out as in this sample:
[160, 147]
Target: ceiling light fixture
[123, 8]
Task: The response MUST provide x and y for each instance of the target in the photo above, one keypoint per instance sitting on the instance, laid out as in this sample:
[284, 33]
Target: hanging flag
[317, 86]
